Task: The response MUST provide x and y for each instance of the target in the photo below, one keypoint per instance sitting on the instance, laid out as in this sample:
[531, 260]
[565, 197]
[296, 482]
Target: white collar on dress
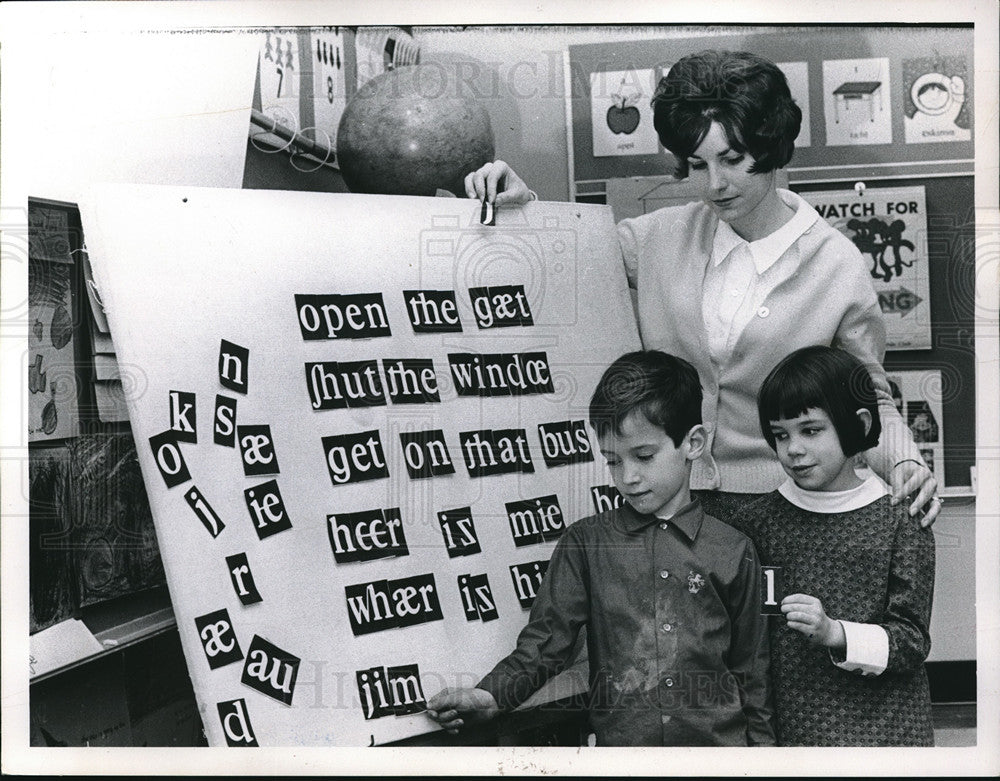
[766, 251]
[834, 501]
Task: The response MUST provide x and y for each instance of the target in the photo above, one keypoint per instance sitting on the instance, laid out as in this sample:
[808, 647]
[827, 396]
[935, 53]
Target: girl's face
[748, 202]
[809, 451]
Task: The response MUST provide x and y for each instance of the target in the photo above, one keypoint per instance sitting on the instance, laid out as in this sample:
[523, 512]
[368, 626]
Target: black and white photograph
[500, 390]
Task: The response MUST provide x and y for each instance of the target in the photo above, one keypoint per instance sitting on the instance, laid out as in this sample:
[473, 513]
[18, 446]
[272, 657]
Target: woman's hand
[910, 477]
[497, 183]
[805, 614]
[453, 708]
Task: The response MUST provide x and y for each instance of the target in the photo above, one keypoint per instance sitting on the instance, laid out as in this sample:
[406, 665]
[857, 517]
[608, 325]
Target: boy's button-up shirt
[676, 646]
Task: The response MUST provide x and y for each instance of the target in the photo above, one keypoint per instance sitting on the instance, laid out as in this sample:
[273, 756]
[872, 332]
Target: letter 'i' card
[772, 590]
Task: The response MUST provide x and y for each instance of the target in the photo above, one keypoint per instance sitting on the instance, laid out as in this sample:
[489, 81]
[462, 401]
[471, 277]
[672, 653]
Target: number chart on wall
[363, 431]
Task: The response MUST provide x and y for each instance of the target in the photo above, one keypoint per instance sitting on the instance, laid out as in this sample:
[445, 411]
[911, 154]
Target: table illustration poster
[360, 444]
[857, 103]
[937, 100]
[620, 114]
[889, 226]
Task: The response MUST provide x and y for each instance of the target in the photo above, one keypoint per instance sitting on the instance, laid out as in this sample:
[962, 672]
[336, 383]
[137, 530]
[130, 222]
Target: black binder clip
[487, 215]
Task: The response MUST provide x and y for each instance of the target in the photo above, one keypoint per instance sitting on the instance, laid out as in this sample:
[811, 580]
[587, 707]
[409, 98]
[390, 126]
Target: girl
[847, 656]
[738, 280]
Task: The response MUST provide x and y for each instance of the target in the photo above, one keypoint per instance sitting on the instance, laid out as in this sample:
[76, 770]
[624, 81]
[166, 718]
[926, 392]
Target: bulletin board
[363, 432]
[945, 370]
[888, 97]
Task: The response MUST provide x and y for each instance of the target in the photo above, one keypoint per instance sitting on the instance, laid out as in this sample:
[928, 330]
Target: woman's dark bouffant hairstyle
[664, 388]
[745, 93]
[823, 378]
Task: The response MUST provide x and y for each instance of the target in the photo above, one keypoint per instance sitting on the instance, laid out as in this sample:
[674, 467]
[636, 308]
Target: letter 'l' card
[772, 590]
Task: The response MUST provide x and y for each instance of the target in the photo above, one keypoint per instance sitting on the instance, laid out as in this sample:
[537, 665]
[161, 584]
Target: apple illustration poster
[918, 397]
[621, 116]
[357, 470]
[937, 103]
[857, 102]
[889, 226]
[797, 75]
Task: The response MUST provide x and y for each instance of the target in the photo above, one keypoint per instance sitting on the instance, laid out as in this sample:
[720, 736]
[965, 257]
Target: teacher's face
[747, 201]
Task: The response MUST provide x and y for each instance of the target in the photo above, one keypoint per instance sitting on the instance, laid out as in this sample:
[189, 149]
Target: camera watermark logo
[542, 257]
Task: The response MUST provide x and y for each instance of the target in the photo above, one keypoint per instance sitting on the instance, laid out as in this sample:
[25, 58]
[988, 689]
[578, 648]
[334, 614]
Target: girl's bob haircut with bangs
[823, 378]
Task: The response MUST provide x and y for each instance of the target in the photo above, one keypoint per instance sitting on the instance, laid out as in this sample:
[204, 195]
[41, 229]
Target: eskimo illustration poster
[937, 100]
[621, 116]
[856, 102]
[889, 226]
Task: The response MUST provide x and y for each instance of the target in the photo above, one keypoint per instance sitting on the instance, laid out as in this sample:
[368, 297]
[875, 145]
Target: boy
[670, 596]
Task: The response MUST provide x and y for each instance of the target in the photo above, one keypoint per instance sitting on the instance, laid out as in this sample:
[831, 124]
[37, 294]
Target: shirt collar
[687, 519]
[834, 501]
[766, 251]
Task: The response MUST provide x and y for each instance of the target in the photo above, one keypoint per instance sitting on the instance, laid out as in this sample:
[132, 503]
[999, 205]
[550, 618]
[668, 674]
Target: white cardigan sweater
[828, 300]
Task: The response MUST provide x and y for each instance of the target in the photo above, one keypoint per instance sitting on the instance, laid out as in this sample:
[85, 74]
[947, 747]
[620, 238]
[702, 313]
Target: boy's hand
[805, 614]
[497, 183]
[453, 708]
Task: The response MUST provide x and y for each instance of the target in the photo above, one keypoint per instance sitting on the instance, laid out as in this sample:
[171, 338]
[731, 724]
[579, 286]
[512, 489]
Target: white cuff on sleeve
[867, 648]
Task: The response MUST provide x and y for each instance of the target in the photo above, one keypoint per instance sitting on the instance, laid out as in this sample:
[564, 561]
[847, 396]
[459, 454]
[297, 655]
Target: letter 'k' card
[772, 590]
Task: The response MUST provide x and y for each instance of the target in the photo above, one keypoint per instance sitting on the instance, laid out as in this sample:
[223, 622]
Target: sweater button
[667, 627]
[668, 681]
[664, 574]
[763, 312]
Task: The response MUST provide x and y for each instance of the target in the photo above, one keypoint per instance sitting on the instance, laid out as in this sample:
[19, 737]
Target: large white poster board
[362, 431]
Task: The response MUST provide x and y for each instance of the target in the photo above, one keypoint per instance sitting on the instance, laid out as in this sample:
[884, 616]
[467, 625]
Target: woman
[750, 273]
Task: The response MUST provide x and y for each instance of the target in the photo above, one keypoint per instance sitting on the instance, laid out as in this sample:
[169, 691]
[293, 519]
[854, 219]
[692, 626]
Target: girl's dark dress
[872, 565]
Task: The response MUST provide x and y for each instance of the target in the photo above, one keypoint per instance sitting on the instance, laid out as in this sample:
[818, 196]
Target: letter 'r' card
[772, 590]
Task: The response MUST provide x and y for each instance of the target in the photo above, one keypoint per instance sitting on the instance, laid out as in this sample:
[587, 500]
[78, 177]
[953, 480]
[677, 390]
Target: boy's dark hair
[826, 378]
[745, 93]
[664, 388]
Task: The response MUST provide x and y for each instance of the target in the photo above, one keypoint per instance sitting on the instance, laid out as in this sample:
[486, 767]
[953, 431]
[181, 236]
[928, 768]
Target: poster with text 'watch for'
[888, 225]
[362, 427]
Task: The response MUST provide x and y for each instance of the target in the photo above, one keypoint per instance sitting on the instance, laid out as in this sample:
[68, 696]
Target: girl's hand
[805, 614]
[909, 478]
[453, 708]
[497, 183]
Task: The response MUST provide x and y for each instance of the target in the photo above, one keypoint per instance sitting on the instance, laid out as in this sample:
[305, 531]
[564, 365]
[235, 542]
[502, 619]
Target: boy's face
[647, 468]
[810, 453]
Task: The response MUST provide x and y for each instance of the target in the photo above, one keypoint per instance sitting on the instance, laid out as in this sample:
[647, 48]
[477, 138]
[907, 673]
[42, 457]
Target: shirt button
[763, 312]
[663, 526]
[667, 627]
[664, 574]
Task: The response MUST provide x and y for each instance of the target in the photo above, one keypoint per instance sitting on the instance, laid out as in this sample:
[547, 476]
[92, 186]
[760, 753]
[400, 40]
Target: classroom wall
[519, 75]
